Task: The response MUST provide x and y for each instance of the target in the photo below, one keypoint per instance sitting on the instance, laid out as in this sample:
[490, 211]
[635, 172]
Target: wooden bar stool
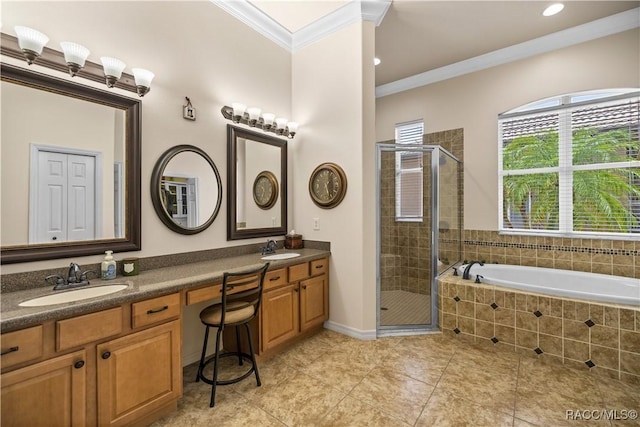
[240, 303]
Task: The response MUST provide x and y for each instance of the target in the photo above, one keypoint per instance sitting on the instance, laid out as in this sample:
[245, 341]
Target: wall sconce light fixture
[143, 80]
[239, 113]
[75, 55]
[31, 44]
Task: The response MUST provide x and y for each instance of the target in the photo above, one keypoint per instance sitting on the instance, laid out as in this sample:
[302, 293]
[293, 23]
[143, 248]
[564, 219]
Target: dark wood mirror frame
[156, 178]
[233, 233]
[133, 133]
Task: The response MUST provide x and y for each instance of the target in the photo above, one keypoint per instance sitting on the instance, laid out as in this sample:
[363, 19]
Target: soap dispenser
[108, 267]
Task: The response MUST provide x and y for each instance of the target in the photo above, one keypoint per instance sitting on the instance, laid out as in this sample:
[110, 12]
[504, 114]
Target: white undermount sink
[280, 256]
[74, 295]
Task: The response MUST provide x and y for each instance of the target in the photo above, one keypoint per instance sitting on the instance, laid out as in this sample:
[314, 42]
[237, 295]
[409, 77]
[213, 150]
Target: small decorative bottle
[108, 267]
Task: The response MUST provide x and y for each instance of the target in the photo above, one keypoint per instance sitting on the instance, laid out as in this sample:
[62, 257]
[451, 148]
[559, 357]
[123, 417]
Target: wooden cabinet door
[314, 302]
[280, 316]
[138, 373]
[49, 393]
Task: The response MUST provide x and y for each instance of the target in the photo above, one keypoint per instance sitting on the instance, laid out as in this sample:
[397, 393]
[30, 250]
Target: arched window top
[562, 101]
[570, 166]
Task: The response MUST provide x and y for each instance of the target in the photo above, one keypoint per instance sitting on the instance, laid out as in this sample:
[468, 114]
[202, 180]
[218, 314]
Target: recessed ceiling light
[376, 61]
[553, 9]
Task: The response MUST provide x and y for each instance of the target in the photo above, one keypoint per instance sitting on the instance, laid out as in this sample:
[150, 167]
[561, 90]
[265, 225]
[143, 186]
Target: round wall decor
[328, 185]
[265, 190]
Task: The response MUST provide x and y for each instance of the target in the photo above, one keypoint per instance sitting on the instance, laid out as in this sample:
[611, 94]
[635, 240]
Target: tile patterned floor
[429, 380]
[404, 308]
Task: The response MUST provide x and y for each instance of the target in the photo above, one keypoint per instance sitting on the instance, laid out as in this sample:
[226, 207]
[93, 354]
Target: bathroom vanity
[116, 359]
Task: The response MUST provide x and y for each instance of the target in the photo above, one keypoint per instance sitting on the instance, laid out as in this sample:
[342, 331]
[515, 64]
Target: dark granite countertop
[147, 284]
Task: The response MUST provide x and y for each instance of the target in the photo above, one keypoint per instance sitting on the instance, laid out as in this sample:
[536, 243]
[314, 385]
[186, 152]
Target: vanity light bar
[71, 61]
[268, 122]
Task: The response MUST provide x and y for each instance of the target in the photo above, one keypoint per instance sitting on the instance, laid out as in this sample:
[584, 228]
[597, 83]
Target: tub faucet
[270, 248]
[465, 274]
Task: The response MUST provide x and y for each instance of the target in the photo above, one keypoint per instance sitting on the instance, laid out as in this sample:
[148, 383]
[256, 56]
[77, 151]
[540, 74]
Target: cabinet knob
[106, 355]
[304, 286]
[79, 364]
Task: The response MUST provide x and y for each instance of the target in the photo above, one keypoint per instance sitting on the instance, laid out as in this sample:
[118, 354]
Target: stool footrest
[212, 359]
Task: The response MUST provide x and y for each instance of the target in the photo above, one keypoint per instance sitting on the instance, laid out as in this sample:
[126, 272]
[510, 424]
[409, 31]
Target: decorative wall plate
[265, 190]
[328, 185]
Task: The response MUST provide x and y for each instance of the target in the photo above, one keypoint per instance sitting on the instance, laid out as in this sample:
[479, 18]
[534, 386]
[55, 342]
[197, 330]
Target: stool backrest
[246, 286]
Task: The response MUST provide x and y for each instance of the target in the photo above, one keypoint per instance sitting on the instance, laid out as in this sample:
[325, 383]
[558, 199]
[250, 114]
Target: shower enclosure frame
[389, 330]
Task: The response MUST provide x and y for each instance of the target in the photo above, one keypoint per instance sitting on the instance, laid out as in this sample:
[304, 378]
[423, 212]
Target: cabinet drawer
[21, 346]
[155, 310]
[81, 330]
[204, 294]
[298, 272]
[275, 278]
[319, 266]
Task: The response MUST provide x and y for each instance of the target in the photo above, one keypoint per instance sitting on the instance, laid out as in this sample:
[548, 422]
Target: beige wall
[333, 101]
[473, 102]
[196, 50]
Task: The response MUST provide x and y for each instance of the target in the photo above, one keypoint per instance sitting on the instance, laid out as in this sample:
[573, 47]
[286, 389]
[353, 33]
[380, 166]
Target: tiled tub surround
[616, 257]
[600, 337]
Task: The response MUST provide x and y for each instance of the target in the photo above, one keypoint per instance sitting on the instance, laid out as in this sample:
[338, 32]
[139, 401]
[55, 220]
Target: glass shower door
[405, 236]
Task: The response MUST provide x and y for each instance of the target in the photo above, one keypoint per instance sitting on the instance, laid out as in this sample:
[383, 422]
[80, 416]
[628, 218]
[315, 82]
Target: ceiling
[422, 35]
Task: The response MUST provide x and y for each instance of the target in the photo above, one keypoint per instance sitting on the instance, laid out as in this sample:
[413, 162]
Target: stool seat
[235, 309]
[237, 312]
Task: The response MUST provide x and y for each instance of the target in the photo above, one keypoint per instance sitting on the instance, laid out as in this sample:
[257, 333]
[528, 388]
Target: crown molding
[258, 20]
[352, 12]
[599, 28]
[375, 10]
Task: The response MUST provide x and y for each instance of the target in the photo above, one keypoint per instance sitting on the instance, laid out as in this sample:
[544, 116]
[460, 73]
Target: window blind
[574, 170]
[409, 173]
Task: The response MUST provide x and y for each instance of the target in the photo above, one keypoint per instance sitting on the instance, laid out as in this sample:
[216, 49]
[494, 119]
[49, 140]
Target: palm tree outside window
[570, 166]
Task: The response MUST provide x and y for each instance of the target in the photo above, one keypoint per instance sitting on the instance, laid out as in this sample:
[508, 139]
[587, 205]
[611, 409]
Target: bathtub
[570, 284]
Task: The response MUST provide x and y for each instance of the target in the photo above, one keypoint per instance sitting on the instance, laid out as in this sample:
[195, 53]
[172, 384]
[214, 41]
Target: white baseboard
[188, 359]
[352, 332]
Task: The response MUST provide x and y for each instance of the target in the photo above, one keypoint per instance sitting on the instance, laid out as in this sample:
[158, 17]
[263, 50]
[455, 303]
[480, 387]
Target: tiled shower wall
[406, 246]
[451, 189]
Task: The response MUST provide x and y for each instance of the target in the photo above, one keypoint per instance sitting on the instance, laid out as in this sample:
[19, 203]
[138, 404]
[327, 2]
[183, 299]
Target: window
[570, 166]
[409, 173]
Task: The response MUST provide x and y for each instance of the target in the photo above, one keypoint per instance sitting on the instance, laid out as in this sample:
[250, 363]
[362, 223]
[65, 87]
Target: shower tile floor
[404, 308]
[428, 380]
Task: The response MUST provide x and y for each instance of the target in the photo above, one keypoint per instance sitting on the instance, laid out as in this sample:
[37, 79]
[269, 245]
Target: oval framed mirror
[186, 189]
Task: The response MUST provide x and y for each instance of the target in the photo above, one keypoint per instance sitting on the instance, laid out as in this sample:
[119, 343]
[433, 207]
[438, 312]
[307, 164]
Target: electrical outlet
[316, 223]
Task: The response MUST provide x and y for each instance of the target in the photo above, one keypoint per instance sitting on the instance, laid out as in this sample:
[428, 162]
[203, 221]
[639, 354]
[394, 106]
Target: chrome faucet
[75, 278]
[74, 269]
[270, 248]
[465, 273]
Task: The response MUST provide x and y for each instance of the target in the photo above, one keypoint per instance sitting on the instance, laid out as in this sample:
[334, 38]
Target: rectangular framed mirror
[70, 169]
[256, 184]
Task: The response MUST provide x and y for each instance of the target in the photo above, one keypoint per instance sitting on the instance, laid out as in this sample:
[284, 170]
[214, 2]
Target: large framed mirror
[70, 169]
[186, 189]
[257, 184]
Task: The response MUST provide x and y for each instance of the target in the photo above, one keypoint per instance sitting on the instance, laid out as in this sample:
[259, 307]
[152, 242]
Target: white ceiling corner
[375, 10]
[579, 34]
[258, 20]
[353, 11]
